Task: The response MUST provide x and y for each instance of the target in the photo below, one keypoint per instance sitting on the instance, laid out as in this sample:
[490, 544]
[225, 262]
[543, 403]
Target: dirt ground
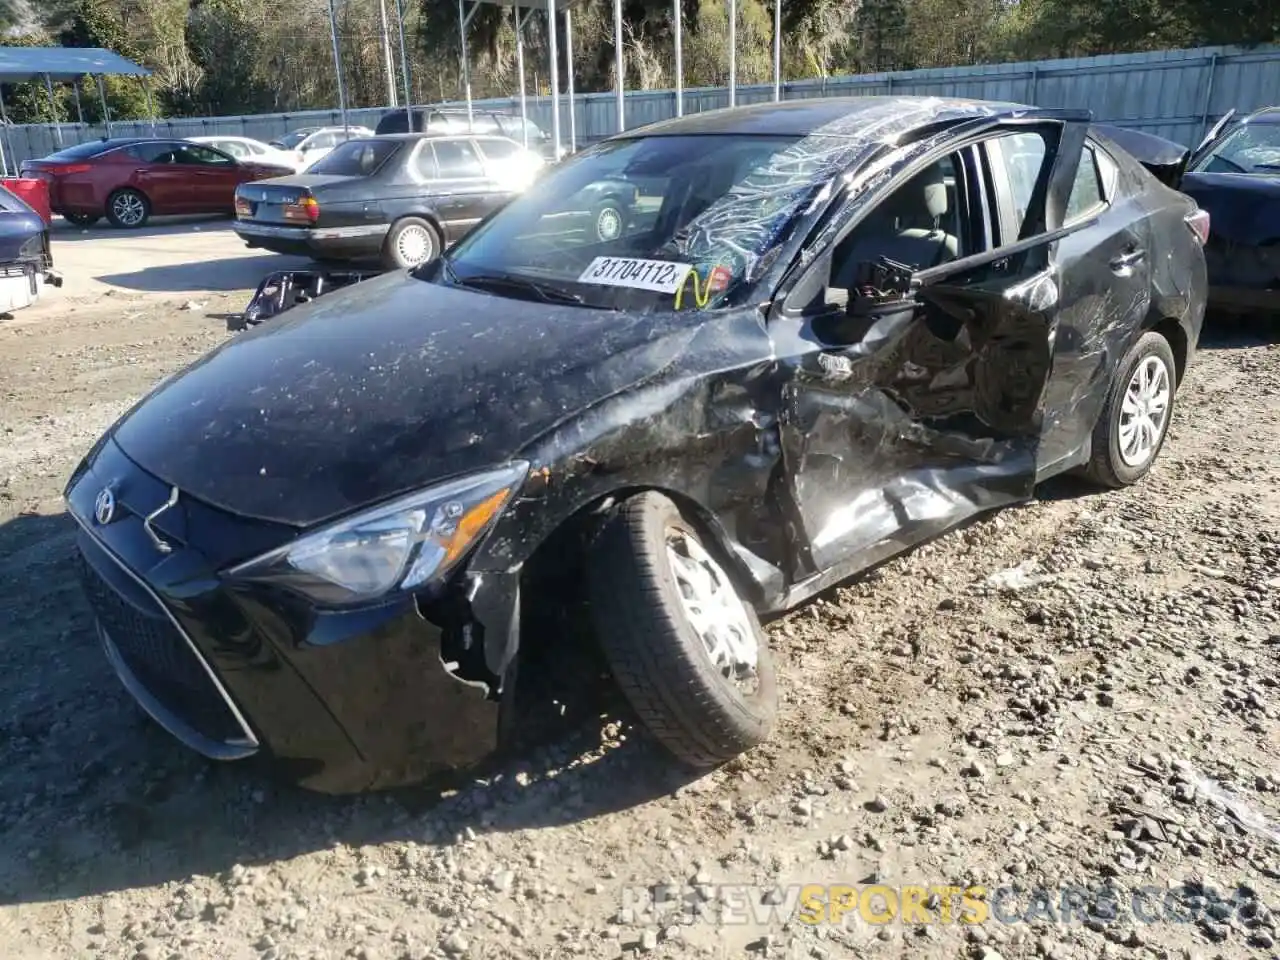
[1107, 715]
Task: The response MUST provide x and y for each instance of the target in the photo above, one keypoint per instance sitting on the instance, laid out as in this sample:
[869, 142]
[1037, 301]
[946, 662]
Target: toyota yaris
[824, 332]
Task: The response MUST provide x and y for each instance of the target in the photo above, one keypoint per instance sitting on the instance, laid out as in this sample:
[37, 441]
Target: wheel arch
[1173, 331]
[430, 217]
[581, 523]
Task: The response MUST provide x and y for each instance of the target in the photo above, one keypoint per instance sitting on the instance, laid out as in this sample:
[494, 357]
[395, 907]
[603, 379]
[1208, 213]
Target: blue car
[26, 261]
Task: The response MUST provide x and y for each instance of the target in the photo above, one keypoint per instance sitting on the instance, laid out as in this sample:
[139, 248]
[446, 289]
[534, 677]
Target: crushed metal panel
[285, 289]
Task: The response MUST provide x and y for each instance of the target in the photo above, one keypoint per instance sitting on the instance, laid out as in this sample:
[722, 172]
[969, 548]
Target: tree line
[229, 57]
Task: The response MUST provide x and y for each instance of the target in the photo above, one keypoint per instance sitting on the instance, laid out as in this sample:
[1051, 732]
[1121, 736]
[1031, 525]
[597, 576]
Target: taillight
[308, 208]
[1199, 224]
[64, 169]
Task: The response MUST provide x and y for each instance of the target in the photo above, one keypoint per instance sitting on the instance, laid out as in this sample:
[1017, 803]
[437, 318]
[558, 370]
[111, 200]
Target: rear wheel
[686, 650]
[1135, 420]
[128, 208]
[81, 219]
[410, 242]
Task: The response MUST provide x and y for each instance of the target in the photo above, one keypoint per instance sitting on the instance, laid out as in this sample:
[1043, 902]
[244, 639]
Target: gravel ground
[1104, 712]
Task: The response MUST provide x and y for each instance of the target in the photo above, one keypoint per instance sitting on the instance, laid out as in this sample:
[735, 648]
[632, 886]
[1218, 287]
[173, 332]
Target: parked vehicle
[830, 330]
[455, 121]
[246, 148]
[26, 259]
[130, 180]
[398, 199]
[309, 144]
[1235, 175]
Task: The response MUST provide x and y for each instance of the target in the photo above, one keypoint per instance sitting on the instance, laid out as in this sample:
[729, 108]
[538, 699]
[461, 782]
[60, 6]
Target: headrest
[935, 198]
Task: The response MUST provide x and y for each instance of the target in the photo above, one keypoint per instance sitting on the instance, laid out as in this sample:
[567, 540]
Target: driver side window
[921, 224]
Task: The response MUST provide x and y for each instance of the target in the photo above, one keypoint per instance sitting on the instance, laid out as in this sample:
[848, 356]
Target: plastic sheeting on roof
[64, 63]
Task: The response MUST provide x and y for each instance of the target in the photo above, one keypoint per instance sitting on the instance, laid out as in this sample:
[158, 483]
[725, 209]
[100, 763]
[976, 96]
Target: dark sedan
[1235, 176]
[399, 199]
[841, 327]
[129, 180]
[26, 260]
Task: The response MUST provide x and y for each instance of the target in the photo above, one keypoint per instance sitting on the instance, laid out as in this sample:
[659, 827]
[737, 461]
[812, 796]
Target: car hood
[381, 388]
[1243, 208]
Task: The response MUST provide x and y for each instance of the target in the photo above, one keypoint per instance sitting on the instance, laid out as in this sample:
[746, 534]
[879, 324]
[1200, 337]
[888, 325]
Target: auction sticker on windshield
[660, 276]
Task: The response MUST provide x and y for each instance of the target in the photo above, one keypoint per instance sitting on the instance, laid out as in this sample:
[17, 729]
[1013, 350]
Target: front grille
[159, 657]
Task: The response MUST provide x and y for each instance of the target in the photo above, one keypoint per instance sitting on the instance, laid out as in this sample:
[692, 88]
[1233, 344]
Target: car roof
[826, 116]
[428, 135]
[1265, 115]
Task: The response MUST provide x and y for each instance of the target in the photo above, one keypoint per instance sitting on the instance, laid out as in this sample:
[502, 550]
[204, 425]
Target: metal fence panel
[1172, 93]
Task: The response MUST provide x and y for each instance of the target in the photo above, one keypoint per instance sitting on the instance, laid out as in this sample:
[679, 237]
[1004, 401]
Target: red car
[129, 180]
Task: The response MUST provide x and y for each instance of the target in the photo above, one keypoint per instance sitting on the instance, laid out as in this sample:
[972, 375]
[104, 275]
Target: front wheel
[686, 650]
[1135, 419]
[410, 242]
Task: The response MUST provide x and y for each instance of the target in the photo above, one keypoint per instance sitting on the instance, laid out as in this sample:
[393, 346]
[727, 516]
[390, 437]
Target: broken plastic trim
[285, 289]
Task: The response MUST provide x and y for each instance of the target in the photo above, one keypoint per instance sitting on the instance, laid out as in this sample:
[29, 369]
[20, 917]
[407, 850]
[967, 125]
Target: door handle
[1128, 259]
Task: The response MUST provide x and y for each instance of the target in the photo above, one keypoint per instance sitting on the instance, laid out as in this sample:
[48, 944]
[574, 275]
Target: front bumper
[340, 702]
[22, 285]
[337, 243]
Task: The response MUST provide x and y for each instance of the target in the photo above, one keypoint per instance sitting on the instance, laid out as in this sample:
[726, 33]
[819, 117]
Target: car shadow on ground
[63, 231]
[95, 797]
[214, 276]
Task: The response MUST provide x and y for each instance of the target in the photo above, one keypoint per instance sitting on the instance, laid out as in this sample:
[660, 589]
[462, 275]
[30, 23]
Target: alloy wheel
[714, 610]
[129, 209]
[1144, 411]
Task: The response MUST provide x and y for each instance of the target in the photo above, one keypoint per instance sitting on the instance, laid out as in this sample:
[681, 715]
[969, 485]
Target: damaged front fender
[286, 289]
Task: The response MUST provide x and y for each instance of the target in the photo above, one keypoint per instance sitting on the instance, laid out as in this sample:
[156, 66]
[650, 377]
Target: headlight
[398, 546]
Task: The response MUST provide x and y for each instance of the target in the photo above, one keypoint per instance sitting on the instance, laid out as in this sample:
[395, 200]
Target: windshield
[355, 158]
[291, 140]
[1252, 148]
[655, 223]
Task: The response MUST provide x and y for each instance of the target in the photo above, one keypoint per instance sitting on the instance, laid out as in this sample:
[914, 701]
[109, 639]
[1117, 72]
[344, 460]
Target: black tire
[128, 209]
[608, 220]
[81, 219]
[657, 659]
[1107, 465]
[394, 258]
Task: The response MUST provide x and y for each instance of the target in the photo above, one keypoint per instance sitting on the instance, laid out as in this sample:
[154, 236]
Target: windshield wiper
[496, 281]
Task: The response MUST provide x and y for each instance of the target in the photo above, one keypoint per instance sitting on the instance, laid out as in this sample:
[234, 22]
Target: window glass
[1022, 155]
[920, 225]
[424, 162]
[193, 153]
[1253, 148]
[1086, 192]
[82, 151]
[355, 158]
[720, 213]
[233, 147]
[498, 149]
[155, 152]
[457, 158]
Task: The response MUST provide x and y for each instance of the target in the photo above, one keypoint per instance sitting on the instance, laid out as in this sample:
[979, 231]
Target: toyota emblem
[104, 507]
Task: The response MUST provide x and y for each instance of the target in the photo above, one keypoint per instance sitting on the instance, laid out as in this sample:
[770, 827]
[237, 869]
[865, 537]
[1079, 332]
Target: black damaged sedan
[825, 331]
